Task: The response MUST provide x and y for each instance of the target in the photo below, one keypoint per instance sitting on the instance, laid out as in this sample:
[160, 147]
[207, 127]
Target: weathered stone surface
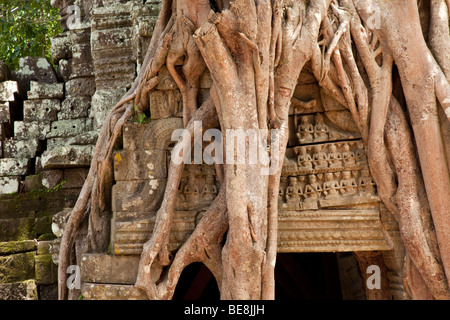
[138, 195]
[102, 102]
[46, 272]
[82, 139]
[31, 130]
[5, 113]
[43, 247]
[48, 291]
[17, 247]
[165, 103]
[68, 128]
[32, 205]
[331, 231]
[67, 157]
[140, 164]
[42, 90]
[17, 229]
[75, 177]
[9, 184]
[80, 87]
[112, 47]
[61, 47]
[103, 268]
[128, 237]
[21, 148]
[144, 19]
[14, 167]
[25, 290]
[17, 267]
[74, 108]
[33, 182]
[93, 291]
[80, 35]
[41, 110]
[35, 69]
[136, 136]
[8, 89]
[51, 178]
[64, 69]
[43, 227]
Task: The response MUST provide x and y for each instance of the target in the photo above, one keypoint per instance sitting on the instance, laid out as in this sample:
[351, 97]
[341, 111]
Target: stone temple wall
[49, 123]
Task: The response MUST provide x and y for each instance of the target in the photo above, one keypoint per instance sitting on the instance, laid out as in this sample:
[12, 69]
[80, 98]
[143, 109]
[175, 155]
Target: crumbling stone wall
[49, 123]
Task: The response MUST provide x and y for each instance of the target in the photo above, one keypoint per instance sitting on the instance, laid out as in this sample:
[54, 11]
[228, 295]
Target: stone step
[24, 290]
[110, 269]
[95, 291]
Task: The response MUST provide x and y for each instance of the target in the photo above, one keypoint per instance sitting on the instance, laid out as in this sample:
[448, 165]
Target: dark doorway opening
[197, 283]
[307, 276]
[298, 276]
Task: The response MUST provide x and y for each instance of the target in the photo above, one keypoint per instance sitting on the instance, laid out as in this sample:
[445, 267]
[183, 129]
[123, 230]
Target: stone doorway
[298, 276]
[307, 276]
[197, 283]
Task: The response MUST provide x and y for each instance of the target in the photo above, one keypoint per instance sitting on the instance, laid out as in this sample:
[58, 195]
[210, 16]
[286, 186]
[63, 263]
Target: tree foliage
[26, 27]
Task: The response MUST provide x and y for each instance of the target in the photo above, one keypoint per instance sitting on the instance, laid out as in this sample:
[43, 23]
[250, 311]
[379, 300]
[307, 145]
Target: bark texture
[255, 51]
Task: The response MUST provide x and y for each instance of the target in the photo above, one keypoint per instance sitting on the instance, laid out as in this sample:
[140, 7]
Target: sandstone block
[102, 102]
[41, 110]
[33, 69]
[75, 177]
[16, 247]
[82, 139]
[32, 205]
[138, 165]
[46, 272]
[74, 108]
[31, 130]
[102, 268]
[9, 184]
[14, 167]
[17, 267]
[68, 128]
[8, 89]
[21, 148]
[51, 178]
[43, 247]
[61, 47]
[42, 90]
[5, 113]
[136, 136]
[43, 227]
[46, 179]
[67, 157]
[80, 87]
[165, 103]
[138, 195]
[25, 290]
[94, 291]
[16, 229]
[64, 69]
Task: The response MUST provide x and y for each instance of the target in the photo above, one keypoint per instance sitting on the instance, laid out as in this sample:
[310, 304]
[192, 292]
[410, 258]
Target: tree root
[156, 246]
